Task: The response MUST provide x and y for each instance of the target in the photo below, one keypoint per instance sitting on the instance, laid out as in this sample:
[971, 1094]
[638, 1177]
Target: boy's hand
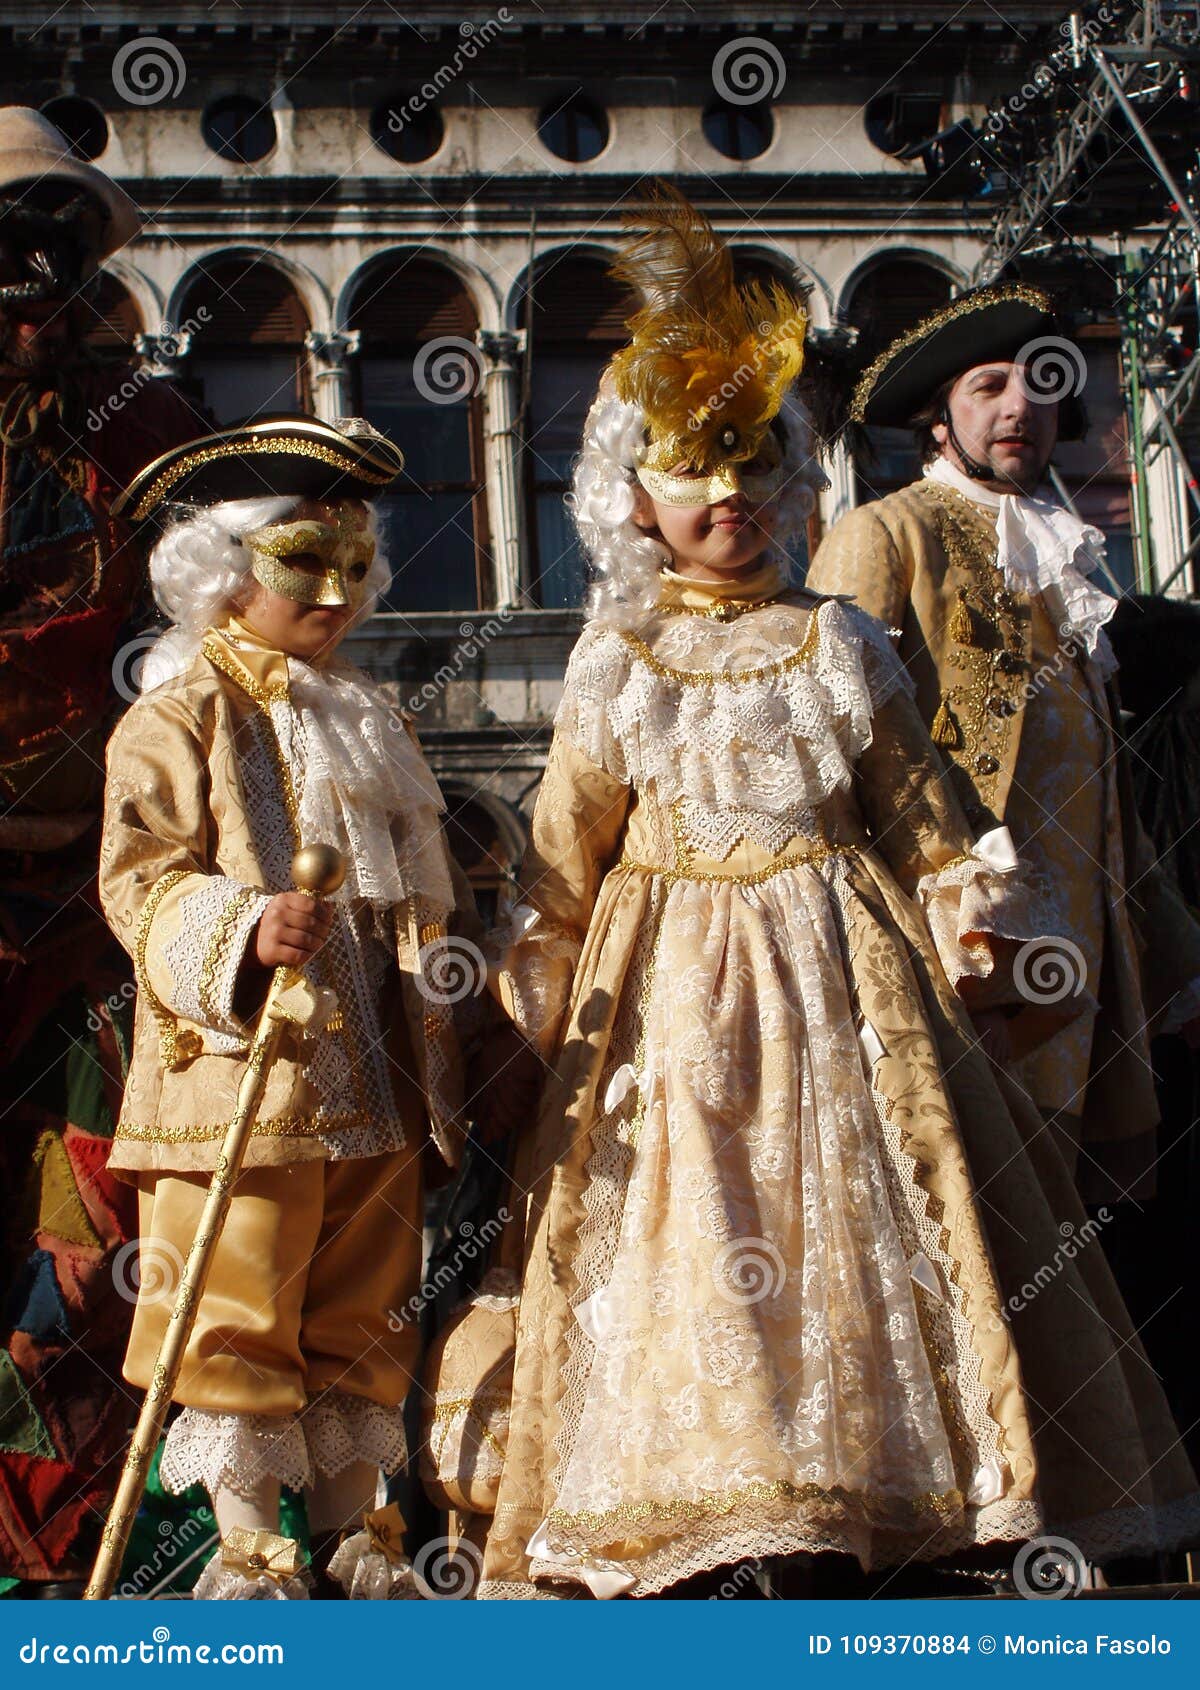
[291, 929]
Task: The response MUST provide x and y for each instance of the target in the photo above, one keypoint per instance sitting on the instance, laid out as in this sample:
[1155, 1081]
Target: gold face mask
[344, 548]
[722, 481]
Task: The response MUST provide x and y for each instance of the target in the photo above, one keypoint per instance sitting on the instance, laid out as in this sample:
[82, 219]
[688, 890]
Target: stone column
[501, 396]
[330, 354]
[163, 353]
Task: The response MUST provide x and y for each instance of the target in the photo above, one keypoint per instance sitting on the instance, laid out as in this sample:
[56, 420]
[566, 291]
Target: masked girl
[781, 1213]
[253, 736]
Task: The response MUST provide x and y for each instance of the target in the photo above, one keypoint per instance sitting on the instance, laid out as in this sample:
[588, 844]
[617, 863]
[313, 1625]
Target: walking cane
[291, 999]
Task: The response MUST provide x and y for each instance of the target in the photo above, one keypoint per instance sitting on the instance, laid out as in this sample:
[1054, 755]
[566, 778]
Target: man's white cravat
[1042, 548]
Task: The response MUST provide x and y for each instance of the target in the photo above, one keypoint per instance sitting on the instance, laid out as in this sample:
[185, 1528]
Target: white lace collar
[1042, 548]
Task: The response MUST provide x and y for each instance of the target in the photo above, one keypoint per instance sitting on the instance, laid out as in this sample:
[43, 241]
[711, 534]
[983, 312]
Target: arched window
[247, 326]
[578, 322]
[111, 318]
[418, 377]
[888, 300]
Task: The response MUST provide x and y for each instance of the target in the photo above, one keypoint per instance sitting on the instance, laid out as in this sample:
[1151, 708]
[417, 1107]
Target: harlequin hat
[287, 455]
[988, 324]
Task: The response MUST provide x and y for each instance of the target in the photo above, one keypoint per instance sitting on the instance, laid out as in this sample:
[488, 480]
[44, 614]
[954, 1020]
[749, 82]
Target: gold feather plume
[709, 361]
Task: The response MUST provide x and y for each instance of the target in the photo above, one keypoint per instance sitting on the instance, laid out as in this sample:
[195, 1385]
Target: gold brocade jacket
[199, 833]
[987, 662]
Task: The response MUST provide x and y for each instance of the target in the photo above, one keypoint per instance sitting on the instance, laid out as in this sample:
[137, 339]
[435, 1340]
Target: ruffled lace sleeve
[577, 825]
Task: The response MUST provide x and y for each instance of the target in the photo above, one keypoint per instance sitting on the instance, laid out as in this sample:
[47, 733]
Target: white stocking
[254, 1507]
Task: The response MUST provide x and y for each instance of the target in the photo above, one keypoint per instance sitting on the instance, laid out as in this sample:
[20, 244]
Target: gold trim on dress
[794, 859]
[709, 677]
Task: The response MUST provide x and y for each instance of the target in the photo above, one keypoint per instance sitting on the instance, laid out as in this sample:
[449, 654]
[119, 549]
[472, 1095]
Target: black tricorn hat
[286, 455]
[985, 325]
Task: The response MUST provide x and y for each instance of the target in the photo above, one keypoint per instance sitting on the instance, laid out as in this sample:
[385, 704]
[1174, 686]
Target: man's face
[1000, 423]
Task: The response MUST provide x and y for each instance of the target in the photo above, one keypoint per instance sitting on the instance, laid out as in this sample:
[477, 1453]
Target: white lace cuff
[340, 1428]
[237, 1451]
[1183, 1007]
[202, 959]
[234, 1452]
[537, 972]
[978, 898]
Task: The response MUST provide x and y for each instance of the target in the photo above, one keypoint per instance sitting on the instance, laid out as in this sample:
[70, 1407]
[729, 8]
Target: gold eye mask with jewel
[345, 550]
[722, 481]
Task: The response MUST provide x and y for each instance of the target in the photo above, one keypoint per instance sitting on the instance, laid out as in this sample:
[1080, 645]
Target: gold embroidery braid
[794, 859]
[706, 1507]
[263, 697]
[279, 1126]
[163, 483]
[963, 307]
[218, 947]
[168, 1041]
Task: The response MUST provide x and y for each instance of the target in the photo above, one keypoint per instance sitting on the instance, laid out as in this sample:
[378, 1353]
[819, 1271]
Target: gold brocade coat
[199, 833]
[1011, 702]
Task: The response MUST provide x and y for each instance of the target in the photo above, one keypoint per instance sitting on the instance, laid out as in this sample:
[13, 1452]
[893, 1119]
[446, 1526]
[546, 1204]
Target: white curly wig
[200, 572]
[625, 561]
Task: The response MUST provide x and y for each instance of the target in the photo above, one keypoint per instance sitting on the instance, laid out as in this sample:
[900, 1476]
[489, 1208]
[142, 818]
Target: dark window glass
[239, 128]
[574, 128]
[81, 121]
[407, 128]
[739, 132]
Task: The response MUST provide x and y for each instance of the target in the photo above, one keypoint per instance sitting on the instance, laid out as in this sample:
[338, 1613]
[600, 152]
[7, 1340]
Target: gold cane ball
[318, 869]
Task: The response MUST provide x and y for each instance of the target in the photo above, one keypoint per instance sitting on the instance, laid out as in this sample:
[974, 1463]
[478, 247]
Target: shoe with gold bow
[370, 1564]
[254, 1566]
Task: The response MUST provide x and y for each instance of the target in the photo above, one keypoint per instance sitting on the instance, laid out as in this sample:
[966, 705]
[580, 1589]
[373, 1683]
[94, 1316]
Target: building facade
[409, 215]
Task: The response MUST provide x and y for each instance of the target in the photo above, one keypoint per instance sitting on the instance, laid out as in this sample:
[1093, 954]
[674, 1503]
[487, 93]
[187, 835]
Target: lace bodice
[768, 714]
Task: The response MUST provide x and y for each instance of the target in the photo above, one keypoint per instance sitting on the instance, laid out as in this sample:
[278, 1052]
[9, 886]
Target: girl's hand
[291, 929]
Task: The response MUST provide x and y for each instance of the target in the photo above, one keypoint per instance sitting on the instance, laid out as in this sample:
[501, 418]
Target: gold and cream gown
[781, 1215]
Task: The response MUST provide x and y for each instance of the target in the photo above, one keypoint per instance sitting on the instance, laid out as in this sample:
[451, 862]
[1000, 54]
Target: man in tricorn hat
[73, 428]
[985, 580]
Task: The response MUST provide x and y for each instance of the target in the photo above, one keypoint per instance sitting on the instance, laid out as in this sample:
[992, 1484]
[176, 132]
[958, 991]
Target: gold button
[999, 706]
[986, 764]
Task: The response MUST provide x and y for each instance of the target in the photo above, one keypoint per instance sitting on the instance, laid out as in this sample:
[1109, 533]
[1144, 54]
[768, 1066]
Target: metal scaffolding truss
[1101, 94]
